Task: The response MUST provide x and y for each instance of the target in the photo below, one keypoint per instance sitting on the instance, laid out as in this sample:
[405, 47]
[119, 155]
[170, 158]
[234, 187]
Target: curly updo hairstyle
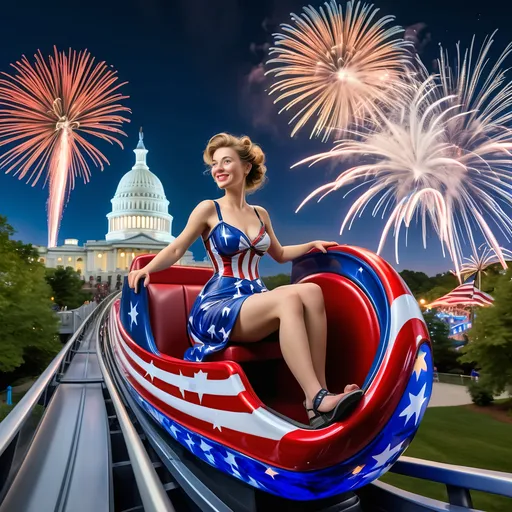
[247, 151]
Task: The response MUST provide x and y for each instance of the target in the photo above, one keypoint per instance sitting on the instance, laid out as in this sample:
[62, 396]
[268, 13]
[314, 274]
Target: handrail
[12, 423]
[495, 482]
[153, 496]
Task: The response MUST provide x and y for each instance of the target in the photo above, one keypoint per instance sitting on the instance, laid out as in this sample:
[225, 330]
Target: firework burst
[477, 264]
[444, 157]
[338, 67]
[44, 110]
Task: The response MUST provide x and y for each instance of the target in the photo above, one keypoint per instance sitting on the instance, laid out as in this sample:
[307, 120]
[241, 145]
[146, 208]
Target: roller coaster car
[241, 411]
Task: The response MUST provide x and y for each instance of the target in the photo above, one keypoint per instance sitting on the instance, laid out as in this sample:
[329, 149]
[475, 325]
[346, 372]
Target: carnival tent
[467, 294]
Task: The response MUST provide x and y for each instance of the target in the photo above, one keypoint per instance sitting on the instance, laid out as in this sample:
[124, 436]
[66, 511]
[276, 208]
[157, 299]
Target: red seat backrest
[177, 274]
[169, 309]
[171, 295]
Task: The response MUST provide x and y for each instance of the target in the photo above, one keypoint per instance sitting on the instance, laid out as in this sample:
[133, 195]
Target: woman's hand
[135, 275]
[322, 245]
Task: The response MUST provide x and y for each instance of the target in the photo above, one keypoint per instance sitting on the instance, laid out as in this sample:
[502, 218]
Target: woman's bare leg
[316, 326]
[283, 308]
[295, 347]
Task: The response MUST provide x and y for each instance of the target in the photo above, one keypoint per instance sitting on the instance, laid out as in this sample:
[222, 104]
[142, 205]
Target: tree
[428, 288]
[445, 355]
[272, 282]
[490, 279]
[29, 328]
[418, 282]
[434, 293]
[445, 280]
[67, 286]
[490, 345]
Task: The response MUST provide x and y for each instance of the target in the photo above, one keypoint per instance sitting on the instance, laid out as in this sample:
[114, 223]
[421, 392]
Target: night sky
[190, 72]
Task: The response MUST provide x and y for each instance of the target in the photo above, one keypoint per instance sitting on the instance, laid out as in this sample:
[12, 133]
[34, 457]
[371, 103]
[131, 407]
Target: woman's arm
[197, 223]
[283, 254]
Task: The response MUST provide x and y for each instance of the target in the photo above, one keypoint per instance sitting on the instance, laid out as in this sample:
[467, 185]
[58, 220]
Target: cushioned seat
[169, 309]
[263, 350]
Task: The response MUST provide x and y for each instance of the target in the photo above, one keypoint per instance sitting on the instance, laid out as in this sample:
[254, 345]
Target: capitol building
[139, 223]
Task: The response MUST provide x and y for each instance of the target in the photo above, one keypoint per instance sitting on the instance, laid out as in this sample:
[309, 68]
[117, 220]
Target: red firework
[44, 109]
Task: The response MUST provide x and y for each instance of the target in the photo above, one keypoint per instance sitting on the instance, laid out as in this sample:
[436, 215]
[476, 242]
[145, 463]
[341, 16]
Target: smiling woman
[222, 153]
[234, 305]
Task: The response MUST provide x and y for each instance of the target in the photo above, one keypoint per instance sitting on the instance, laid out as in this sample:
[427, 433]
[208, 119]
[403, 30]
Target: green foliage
[272, 282]
[435, 293]
[418, 282]
[445, 280]
[480, 393]
[445, 356]
[29, 327]
[490, 343]
[429, 288]
[491, 278]
[67, 286]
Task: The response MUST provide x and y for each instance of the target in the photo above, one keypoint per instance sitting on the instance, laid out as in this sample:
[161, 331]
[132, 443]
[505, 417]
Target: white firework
[444, 157]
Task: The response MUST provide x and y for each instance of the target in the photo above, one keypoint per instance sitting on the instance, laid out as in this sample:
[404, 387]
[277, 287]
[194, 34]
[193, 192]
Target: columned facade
[139, 223]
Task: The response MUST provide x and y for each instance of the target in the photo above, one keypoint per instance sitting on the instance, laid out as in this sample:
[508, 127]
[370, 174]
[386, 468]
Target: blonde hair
[247, 151]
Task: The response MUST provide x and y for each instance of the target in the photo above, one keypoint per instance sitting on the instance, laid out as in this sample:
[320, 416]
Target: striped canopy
[467, 294]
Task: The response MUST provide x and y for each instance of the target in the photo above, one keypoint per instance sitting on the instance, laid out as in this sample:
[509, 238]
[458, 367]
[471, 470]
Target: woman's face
[227, 168]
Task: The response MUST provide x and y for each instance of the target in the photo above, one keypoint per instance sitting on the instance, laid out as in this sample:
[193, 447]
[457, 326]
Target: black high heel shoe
[344, 406]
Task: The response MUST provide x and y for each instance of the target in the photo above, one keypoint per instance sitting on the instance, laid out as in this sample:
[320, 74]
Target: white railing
[454, 378]
[71, 320]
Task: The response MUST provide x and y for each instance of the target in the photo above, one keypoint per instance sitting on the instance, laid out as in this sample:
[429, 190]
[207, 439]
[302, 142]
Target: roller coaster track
[93, 449]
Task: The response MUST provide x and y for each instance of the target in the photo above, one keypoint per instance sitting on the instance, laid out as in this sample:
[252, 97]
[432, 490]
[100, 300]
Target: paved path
[451, 394]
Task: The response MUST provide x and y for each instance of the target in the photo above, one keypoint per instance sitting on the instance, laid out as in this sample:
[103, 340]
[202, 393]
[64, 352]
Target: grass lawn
[461, 435]
[16, 397]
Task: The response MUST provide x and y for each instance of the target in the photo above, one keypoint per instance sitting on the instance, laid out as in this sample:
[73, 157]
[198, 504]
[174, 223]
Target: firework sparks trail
[477, 263]
[445, 157]
[405, 157]
[339, 67]
[43, 107]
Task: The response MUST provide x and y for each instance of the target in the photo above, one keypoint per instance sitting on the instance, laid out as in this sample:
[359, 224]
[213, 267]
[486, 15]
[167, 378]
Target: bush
[480, 394]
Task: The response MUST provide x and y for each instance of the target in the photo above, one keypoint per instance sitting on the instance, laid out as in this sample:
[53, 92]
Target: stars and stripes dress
[235, 261]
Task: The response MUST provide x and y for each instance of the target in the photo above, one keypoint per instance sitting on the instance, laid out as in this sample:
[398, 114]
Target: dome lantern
[140, 151]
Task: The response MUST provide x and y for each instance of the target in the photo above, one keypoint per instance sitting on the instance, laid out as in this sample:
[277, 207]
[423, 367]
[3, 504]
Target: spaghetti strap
[256, 212]
[218, 210]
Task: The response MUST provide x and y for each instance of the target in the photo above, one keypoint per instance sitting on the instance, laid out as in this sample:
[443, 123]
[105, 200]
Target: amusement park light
[422, 302]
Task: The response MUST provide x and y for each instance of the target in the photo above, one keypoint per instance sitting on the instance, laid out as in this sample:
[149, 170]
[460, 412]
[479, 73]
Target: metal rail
[193, 486]
[13, 422]
[459, 480]
[153, 496]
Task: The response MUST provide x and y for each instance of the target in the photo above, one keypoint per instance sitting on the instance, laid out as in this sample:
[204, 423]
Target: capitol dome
[139, 205]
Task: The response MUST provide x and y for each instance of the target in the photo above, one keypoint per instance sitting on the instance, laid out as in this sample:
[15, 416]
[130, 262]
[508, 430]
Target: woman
[232, 305]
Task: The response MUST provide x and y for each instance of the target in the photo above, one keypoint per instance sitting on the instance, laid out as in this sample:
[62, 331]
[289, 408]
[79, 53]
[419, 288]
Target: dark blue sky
[187, 65]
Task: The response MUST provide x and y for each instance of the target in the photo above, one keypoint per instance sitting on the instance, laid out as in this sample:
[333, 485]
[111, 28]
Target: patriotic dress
[235, 261]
